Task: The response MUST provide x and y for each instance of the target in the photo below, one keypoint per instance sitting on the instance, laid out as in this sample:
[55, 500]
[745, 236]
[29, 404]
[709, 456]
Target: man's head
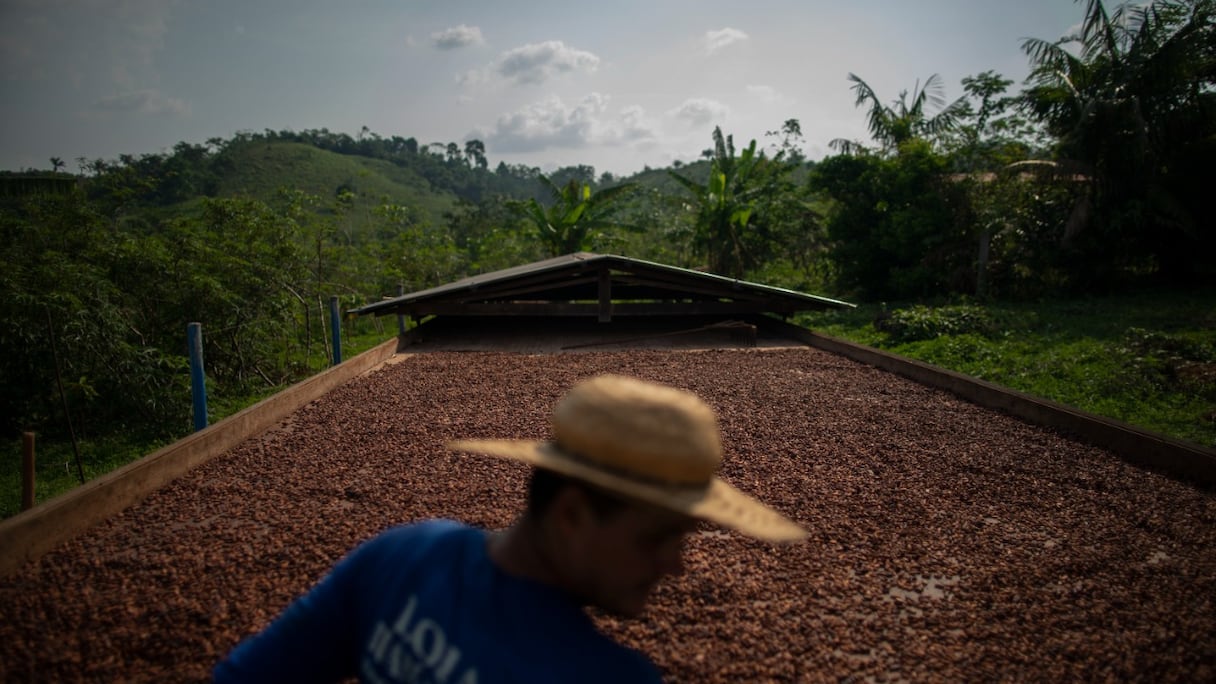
[654, 448]
[646, 442]
[608, 550]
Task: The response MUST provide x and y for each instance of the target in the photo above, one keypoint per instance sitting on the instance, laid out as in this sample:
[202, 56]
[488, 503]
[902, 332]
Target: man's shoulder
[430, 529]
[618, 664]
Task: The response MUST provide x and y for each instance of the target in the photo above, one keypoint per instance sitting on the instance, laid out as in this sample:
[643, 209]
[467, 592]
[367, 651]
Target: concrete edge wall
[1180, 459]
[29, 534]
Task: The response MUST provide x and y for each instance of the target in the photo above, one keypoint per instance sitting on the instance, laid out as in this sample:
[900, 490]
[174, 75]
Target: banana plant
[727, 202]
[576, 217]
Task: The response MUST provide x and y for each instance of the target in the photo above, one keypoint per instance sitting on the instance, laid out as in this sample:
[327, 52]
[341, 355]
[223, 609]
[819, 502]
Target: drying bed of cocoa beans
[947, 542]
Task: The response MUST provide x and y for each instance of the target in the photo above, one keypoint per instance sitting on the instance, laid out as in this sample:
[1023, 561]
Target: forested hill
[361, 192]
[395, 170]
[262, 170]
[250, 236]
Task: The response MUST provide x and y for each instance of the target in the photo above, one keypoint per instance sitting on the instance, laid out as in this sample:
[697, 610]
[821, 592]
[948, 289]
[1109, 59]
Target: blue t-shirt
[424, 603]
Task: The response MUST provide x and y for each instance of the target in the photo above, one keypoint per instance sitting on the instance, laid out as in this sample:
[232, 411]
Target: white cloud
[457, 37]
[142, 102]
[550, 124]
[716, 40]
[547, 124]
[699, 111]
[634, 125]
[537, 62]
[766, 94]
[473, 77]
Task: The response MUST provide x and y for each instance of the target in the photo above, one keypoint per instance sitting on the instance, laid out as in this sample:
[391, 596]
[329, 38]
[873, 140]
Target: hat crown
[651, 432]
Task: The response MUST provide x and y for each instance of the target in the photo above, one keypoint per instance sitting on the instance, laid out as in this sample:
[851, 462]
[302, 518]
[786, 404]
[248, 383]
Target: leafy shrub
[1164, 346]
[920, 322]
[1171, 359]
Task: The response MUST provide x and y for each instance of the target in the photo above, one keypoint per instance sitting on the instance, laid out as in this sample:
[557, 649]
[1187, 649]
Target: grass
[1147, 359]
[56, 469]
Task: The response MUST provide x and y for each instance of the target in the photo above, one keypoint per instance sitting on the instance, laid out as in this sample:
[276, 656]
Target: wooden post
[400, 318]
[321, 326]
[27, 471]
[335, 325]
[605, 295]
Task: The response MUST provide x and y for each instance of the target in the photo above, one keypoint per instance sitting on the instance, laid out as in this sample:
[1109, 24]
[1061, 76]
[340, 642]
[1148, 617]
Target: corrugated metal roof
[583, 277]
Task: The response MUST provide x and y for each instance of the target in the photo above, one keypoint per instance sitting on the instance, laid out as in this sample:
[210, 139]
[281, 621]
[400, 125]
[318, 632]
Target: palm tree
[892, 125]
[566, 226]
[56, 164]
[475, 152]
[1144, 60]
[1130, 99]
[727, 201]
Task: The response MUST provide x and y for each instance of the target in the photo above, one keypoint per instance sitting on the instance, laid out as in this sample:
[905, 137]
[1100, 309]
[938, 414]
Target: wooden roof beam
[588, 309]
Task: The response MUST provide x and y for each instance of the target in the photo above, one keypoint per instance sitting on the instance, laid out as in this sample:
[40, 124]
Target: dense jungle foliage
[1088, 181]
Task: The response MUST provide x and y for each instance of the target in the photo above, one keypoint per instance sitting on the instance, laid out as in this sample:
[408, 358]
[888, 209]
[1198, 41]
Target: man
[629, 472]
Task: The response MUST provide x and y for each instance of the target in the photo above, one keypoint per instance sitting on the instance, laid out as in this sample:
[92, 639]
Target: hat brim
[717, 502]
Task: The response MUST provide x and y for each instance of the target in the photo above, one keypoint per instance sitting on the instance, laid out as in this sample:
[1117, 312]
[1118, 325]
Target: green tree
[892, 125]
[417, 256]
[892, 223]
[1131, 100]
[491, 236]
[242, 261]
[581, 173]
[990, 135]
[475, 152]
[789, 147]
[991, 131]
[63, 307]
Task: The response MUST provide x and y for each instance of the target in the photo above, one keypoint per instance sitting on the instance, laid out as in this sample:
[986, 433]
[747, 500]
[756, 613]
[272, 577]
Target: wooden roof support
[605, 292]
[589, 278]
[590, 309]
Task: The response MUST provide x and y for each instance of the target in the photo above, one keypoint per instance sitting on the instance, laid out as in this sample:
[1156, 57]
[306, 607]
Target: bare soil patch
[948, 542]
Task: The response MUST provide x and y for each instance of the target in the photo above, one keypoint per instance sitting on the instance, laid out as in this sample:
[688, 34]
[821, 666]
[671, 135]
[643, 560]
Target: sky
[617, 85]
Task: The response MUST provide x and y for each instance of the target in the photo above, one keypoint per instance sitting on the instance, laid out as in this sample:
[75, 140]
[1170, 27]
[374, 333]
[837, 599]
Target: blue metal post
[198, 380]
[335, 324]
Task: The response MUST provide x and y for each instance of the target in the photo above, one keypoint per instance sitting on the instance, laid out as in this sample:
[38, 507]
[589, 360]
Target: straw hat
[648, 442]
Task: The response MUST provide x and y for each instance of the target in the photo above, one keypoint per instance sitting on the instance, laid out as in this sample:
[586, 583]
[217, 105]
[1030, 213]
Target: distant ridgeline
[257, 163]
